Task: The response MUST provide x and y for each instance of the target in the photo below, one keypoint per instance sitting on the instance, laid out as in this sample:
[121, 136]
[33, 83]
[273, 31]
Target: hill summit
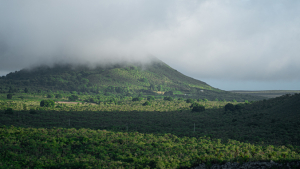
[129, 79]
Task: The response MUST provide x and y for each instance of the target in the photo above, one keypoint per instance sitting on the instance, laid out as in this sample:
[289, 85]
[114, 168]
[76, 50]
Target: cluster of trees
[47, 103]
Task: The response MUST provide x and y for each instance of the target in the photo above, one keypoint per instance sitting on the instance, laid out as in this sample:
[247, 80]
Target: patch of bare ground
[75, 103]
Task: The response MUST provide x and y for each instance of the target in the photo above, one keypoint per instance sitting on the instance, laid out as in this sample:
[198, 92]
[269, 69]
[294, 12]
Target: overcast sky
[230, 44]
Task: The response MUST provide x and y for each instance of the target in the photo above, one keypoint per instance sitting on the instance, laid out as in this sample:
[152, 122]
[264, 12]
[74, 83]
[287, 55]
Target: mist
[237, 41]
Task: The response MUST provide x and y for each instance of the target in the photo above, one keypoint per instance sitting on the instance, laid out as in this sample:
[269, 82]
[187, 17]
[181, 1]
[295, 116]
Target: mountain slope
[127, 79]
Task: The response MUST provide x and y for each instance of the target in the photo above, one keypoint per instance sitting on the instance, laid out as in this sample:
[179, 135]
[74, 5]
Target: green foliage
[229, 107]
[246, 101]
[47, 103]
[86, 148]
[73, 97]
[205, 100]
[26, 90]
[50, 96]
[58, 96]
[168, 98]
[239, 106]
[137, 99]
[150, 98]
[234, 100]
[9, 111]
[147, 103]
[196, 107]
[32, 111]
[189, 100]
[9, 96]
[169, 93]
[113, 141]
[144, 80]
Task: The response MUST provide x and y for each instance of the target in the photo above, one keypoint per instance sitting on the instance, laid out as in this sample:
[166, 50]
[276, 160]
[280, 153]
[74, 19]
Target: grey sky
[230, 44]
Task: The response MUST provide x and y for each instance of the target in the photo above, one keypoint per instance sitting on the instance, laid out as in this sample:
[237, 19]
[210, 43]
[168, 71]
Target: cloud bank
[236, 40]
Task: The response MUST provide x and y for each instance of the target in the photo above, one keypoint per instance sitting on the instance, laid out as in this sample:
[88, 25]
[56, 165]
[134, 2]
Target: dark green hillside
[121, 80]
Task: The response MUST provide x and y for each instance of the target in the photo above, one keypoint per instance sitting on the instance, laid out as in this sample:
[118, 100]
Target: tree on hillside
[168, 98]
[49, 96]
[26, 90]
[73, 97]
[9, 96]
[47, 103]
[147, 103]
[137, 99]
[196, 107]
[58, 96]
[229, 107]
[150, 98]
[189, 100]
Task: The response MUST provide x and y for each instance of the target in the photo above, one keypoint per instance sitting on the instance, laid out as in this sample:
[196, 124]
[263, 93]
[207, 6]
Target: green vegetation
[47, 103]
[129, 80]
[135, 116]
[86, 148]
[163, 134]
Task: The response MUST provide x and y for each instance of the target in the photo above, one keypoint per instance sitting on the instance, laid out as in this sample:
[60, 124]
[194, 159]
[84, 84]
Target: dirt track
[75, 103]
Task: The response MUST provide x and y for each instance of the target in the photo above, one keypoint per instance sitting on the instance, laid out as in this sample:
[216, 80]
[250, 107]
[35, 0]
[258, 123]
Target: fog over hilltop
[219, 42]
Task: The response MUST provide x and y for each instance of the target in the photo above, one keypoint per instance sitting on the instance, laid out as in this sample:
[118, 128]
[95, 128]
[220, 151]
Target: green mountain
[156, 78]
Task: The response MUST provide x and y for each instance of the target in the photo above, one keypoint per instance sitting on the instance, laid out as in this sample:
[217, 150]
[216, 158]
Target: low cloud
[238, 40]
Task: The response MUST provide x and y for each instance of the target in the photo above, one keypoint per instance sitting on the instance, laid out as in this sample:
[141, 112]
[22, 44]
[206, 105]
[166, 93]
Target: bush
[9, 96]
[49, 96]
[137, 99]
[150, 98]
[229, 107]
[196, 107]
[189, 101]
[9, 111]
[168, 98]
[47, 103]
[239, 106]
[58, 96]
[147, 103]
[32, 111]
[73, 98]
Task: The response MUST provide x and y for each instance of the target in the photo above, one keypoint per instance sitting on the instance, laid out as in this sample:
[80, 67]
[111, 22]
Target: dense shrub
[9, 111]
[9, 96]
[168, 98]
[229, 107]
[189, 100]
[137, 99]
[239, 106]
[150, 98]
[58, 96]
[196, 107]
[147, 103]
[47, 103]
[49, 96]
[32, 111]
[73, 97]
